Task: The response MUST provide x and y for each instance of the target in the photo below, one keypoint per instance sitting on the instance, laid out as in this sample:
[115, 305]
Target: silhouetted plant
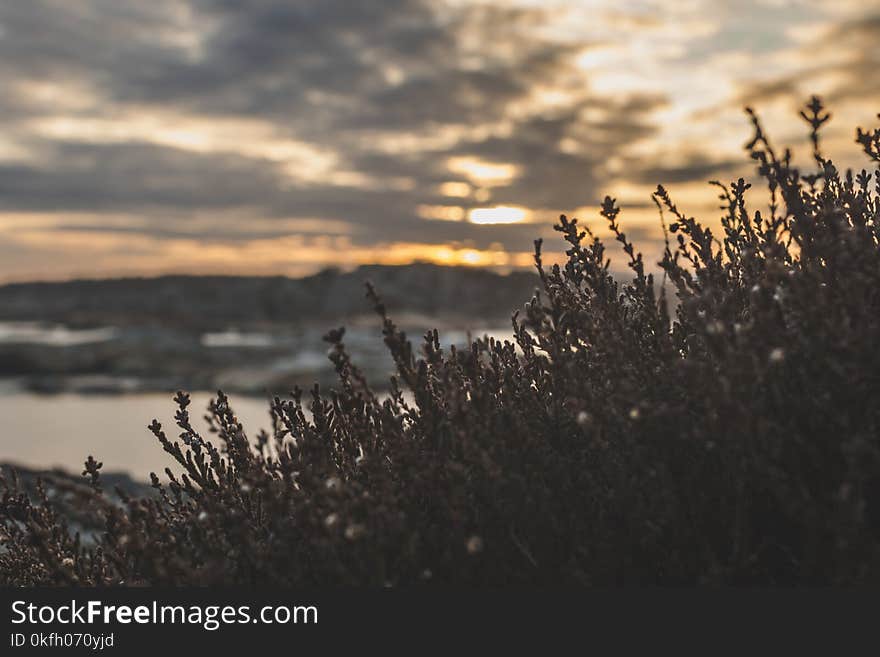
[734, 440]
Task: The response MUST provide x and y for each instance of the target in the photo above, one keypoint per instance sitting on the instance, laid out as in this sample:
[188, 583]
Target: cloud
[345, 76]
[844, 59]
[697, 168]
[244, 120]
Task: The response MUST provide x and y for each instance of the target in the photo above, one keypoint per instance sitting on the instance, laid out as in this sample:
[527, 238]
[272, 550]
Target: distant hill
[216, 300]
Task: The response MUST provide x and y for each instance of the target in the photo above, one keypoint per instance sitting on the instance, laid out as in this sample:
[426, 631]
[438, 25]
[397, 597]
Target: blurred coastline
[247, 335]
[85, 365]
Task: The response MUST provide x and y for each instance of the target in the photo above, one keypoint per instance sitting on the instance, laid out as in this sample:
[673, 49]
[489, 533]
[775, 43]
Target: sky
[271, 137]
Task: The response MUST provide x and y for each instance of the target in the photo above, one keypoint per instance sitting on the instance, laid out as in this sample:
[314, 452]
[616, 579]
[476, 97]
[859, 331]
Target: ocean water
[43, 431]
[46, 431]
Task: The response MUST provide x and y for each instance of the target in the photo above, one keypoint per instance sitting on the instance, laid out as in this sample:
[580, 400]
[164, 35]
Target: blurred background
[192, 192]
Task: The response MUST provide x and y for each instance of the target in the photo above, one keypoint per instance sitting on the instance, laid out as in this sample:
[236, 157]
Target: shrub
[732, 439]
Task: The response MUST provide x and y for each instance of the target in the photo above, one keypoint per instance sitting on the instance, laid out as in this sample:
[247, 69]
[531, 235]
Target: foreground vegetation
[732, 441]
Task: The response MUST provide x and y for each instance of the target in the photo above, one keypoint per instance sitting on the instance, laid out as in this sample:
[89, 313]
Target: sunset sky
[261, 136]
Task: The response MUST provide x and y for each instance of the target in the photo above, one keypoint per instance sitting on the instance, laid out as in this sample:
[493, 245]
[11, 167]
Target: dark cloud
[698, 168]
[264, 58]
[861, 75]
[95, 40]
[83, 176]
[848, 54]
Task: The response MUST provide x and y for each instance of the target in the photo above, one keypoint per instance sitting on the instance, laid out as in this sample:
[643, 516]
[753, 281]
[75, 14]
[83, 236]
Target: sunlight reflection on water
[52, 335]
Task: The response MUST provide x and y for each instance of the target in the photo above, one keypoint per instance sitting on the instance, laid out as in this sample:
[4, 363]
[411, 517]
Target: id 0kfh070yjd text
[61, 640]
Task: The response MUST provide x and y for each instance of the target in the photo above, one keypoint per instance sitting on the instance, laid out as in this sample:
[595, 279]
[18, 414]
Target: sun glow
[500, 214]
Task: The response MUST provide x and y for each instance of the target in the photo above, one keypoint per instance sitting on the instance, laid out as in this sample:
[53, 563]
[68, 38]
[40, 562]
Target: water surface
[44, 431]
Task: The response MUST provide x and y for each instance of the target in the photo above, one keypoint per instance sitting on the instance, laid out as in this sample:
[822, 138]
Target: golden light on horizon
[500, 214]
[87, 254]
